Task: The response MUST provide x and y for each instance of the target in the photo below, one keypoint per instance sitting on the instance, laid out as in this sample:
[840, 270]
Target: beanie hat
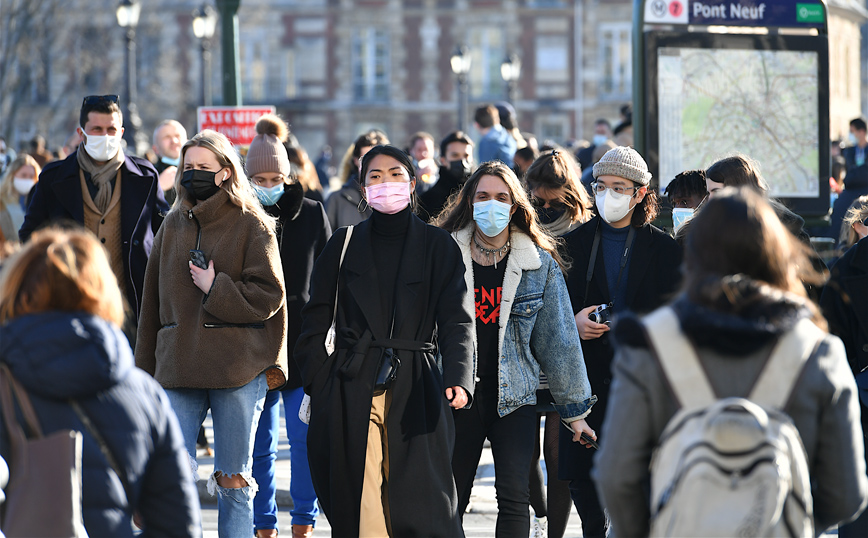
[624, 162]
[266, 153]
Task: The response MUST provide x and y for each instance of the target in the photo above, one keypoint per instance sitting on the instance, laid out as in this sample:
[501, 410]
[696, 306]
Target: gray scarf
[562, 225]
[100, 175]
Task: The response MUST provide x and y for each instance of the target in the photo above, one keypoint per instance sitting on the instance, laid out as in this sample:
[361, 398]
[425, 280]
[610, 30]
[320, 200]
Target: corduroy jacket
[224, 339]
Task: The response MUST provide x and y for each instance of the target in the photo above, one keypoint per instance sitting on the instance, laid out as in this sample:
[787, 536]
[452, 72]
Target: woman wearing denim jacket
[514, 269]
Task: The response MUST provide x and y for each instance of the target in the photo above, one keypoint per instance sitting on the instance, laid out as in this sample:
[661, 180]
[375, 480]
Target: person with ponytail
[392, 287]
[302, 233]
[213, 326]
[524, 326]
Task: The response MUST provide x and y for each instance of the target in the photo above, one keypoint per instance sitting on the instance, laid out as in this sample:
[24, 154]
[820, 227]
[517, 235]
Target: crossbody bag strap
[103, 447]
[779, 375]
[9, 393]
[678, 359]
[340, 263]
[592, 261]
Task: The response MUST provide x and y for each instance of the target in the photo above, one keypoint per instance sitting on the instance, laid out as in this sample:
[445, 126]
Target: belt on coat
[360, 345]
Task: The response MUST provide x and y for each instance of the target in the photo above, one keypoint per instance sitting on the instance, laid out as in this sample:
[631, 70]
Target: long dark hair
[397, 154]
[458, 213]
[738, 171]
[738, 233]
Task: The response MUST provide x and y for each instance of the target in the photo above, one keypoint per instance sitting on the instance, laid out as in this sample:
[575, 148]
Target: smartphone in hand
[587, 438]
[198, 259]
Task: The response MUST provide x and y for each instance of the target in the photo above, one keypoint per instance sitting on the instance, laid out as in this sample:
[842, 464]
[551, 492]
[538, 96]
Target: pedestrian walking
[168, 139]
[742, 294]
[344, 207]
[60, 313]
[524, 325]
[302, 232]
[381, 434]
[213, 325]
[456, 165]
[16, 187]
[634, 266]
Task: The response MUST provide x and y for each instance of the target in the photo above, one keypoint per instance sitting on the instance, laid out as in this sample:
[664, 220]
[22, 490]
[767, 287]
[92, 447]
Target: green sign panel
[809, 13]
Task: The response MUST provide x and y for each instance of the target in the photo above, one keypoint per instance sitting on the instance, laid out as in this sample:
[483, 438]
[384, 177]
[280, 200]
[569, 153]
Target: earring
[360, 208]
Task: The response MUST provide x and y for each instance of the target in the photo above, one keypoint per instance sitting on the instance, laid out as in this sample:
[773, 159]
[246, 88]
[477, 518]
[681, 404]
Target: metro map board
[793, 13]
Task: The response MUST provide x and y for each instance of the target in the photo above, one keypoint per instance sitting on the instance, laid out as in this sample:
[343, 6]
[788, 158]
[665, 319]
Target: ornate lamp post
[510, 70]
[204, 24]
[460, 62]
[128, 18]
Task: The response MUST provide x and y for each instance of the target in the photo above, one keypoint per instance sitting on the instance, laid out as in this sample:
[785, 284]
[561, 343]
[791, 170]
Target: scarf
[562, 225]
[100, 175]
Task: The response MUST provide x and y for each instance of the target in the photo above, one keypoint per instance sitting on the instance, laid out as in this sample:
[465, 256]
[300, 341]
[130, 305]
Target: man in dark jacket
[635, 268]
[456, 165]
[116, 196]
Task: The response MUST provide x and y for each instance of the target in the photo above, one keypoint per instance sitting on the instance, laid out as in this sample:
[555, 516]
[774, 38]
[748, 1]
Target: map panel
[764, 104]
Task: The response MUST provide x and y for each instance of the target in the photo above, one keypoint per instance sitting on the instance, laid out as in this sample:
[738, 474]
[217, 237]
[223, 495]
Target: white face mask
[102, 148]
[613, 206]
[23, 184]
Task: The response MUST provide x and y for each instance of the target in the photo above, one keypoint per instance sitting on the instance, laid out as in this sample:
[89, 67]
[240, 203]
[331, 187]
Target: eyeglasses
[91, 100]
[599, 188]
[555, 204]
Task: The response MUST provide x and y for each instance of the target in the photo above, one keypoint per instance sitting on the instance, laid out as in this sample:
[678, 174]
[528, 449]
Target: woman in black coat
[381, 460]
[650, 276]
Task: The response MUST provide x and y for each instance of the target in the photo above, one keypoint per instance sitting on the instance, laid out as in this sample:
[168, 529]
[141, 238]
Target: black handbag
[387, 372]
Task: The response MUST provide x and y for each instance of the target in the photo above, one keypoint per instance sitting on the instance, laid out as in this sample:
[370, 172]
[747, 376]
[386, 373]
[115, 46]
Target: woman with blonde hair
[15, 187]
[60, 311]
[523, 325]
[854, 227]
[213, 323]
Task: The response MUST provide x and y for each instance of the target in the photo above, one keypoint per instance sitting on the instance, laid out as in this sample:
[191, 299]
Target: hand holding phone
[198, 259]
[587, 439]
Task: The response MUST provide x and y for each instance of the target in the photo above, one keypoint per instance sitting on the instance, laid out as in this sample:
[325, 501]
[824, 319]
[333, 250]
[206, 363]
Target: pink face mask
[389, 197]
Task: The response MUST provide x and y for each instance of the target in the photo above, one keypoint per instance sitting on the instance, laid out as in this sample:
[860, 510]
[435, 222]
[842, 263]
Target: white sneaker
[539, 527]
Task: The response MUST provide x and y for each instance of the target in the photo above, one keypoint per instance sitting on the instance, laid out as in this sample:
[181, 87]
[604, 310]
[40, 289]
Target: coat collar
[523, 253]
[209, 210]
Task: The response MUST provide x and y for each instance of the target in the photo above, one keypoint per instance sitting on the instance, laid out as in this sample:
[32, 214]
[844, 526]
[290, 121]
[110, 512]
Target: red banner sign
[236, 122]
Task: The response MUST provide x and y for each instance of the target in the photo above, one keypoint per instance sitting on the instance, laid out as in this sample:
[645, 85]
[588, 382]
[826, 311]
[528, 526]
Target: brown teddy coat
[224, 339]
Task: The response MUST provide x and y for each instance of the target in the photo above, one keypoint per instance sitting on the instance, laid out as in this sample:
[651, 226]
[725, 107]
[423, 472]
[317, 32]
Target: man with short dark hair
[115, 196]
[456, 165]
[496, 143]
[854, 155]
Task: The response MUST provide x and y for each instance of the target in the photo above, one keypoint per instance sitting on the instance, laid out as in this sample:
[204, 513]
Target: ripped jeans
[235, 413]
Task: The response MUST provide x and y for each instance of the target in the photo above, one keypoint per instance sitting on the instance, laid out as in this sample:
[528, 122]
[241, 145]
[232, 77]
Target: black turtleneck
[387, 245]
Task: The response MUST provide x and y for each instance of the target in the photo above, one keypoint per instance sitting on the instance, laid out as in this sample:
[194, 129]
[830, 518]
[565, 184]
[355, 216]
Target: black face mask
[200, 183]
[548, 215]
[459, 169]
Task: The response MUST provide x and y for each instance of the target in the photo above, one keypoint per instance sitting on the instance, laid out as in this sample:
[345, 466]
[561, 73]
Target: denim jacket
[536, 329]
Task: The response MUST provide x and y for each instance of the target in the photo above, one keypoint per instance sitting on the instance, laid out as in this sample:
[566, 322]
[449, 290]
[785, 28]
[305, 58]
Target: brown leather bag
[44, 493]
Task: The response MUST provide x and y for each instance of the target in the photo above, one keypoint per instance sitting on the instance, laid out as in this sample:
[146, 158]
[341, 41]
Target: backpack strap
[678, 359]
[778, 377]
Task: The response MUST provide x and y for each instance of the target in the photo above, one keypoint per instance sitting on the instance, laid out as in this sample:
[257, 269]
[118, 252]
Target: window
[487, 52]
[370, 65]
[616, 65]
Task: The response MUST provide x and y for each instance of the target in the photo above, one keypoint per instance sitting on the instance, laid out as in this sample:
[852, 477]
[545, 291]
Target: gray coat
[342, 207]
[824, 408]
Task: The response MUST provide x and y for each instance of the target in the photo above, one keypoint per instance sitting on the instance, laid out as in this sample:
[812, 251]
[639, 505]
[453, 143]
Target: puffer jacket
[58, 356]
[542, 333]
[733, 343]
[227, 337]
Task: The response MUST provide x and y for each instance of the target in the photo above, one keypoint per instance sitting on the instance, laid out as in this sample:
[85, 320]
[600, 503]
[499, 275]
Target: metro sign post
[238, 123]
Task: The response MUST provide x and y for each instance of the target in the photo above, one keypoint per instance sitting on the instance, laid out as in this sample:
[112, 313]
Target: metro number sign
[238, 123]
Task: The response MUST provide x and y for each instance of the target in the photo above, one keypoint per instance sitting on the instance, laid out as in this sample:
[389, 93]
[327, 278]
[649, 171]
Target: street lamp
[204, 24]
[510, 70]
[128, 17]
[460, 62]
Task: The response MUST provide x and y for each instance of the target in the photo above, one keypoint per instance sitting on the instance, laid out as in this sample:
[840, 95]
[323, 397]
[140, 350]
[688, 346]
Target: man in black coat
[116, 196]
[456, 165]
[636, 268]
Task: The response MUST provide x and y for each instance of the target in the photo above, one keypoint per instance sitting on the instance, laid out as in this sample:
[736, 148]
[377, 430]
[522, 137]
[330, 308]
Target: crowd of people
[440, 297]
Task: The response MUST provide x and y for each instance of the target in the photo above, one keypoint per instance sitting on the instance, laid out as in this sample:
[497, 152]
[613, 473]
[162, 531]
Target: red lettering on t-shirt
[488, 304]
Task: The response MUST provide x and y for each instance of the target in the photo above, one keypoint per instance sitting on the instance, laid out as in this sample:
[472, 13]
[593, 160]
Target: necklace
[492, 251]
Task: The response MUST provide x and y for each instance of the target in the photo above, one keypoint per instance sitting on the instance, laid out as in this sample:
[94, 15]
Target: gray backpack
[732, 466]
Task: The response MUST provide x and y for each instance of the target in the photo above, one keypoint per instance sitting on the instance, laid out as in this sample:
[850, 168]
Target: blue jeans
[304, 508]
[235, 413]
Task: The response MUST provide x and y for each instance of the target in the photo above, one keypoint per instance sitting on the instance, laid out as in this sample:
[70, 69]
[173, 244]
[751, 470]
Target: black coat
[845, 303]
[430, 293]
[57, 196]
[653, 278]
[302, 233]
[432, 201]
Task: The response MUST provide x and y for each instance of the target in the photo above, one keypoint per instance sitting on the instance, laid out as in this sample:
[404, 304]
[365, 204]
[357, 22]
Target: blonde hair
[60, 270]
[7, 187]
[239, 188]
[857, 212]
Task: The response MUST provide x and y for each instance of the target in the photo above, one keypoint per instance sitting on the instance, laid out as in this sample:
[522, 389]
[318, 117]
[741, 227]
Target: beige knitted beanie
[624, 162]
[266, 153]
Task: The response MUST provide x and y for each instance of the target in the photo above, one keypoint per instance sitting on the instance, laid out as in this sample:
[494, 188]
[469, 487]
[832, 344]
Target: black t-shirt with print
[488, 286]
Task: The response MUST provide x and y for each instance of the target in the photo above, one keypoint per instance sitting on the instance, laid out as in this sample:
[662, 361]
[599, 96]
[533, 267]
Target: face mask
[599, 139]
[491, 216]
[200, 183]
[170, 161]
[389, 197]
[680, 215]
[852, 138]
[548, 215]
[613, 206]
[23, 185]
[459, 169]
[269, 196]
[102, 148]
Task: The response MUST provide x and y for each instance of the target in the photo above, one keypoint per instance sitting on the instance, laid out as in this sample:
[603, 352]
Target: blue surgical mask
[852, 139]
[269, 196]
[491, 216]
[680, 215]
[171, 162]
[599, 139]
